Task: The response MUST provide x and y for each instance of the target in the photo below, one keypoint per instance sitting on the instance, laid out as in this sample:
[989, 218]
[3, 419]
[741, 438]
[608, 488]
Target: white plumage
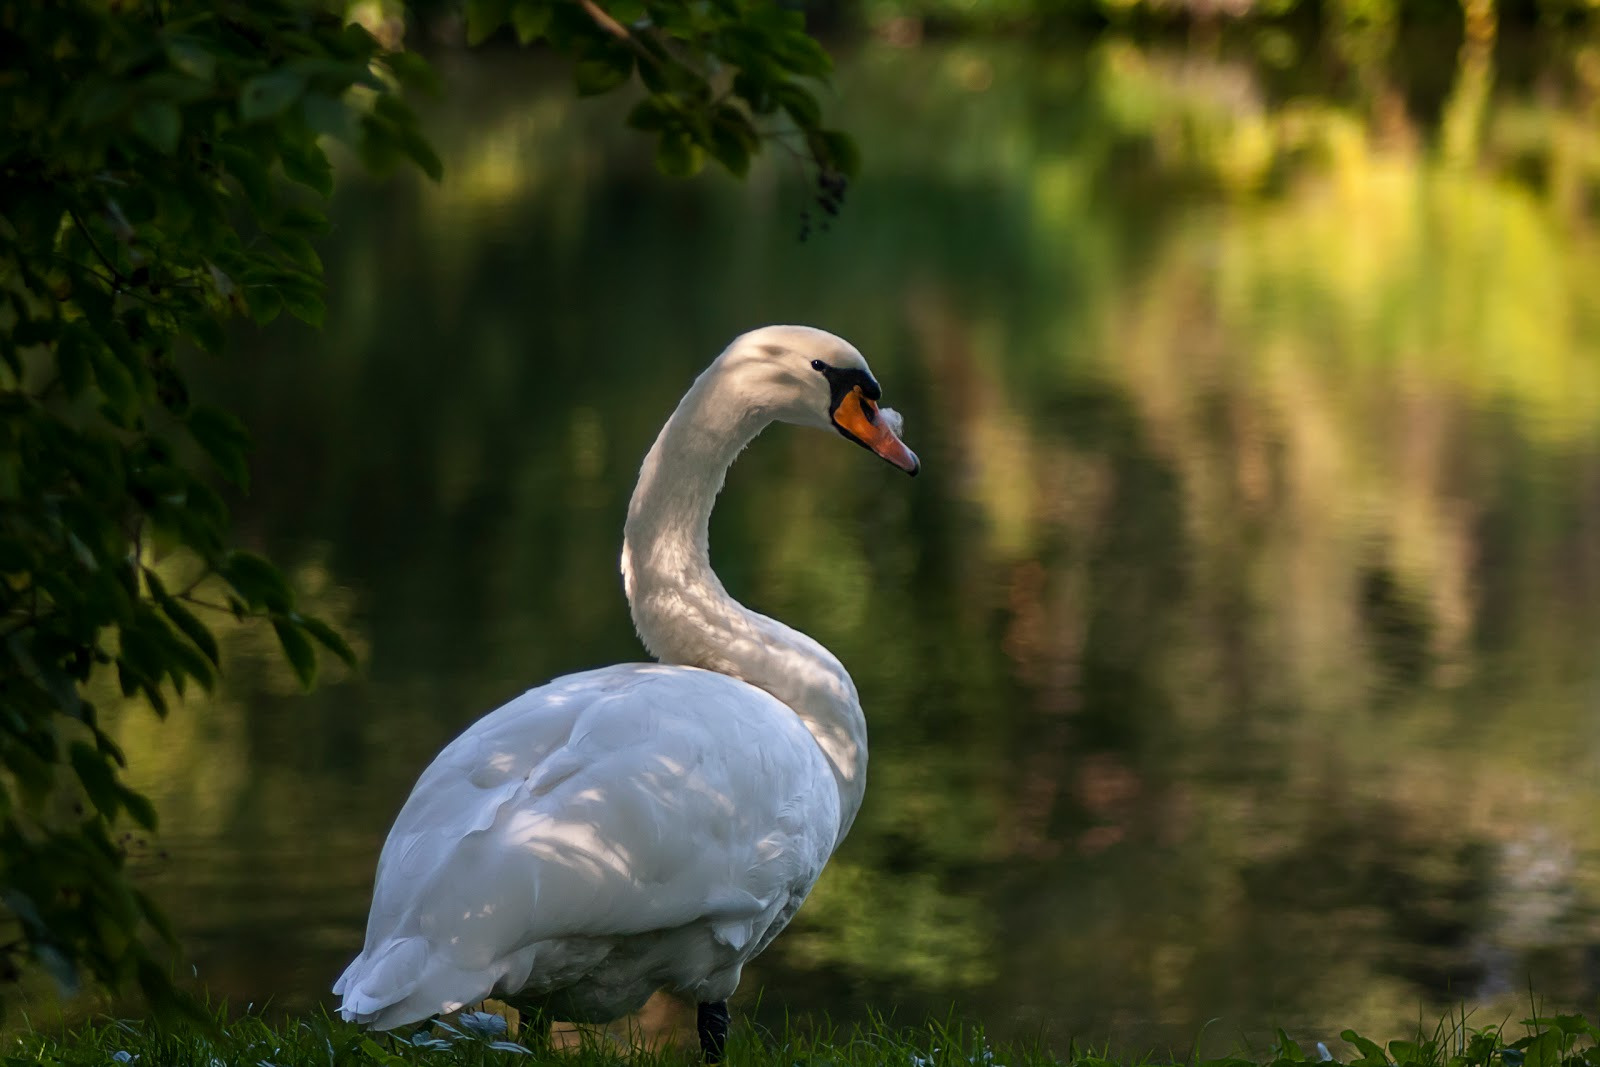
[647, 825]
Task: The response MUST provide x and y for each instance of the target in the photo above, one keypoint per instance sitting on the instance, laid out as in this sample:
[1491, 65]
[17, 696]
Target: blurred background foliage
[1234, 658]
[967, 17]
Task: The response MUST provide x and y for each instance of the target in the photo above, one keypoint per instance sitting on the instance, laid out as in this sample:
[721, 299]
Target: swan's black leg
[711, 1022]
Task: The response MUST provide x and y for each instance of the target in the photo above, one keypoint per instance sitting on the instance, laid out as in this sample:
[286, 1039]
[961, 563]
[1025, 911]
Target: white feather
[641, 826]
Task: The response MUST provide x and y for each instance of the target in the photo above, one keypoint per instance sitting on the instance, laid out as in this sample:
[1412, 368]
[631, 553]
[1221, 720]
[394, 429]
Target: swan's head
[810, 377]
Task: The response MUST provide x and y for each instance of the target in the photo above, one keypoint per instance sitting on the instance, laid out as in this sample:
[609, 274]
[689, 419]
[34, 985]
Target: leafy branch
[720, 79]
[164, 170]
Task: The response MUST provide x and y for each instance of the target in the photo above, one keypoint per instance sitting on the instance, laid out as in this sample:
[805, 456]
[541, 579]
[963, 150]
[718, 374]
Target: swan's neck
[685, 616]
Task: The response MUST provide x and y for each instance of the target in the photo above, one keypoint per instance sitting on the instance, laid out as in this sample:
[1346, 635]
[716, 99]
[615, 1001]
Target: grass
[479, 1040]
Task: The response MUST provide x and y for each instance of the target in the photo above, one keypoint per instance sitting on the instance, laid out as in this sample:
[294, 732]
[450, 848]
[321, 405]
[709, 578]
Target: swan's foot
[711, 1022]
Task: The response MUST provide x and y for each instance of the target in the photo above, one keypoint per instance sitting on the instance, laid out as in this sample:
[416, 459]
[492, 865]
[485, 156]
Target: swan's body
[594, 840]
[642, 826]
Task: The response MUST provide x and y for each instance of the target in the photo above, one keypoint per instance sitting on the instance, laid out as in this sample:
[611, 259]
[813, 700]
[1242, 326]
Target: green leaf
[678, 156]
[1572, 1025]
[194, 56]
[603, 70]
[423, 155]
[250, 171]
[379, 1054]
[412, 71]
[730, 152]
[115, 383]
[328, 114]
[1545, 1050]
[269, 95]
[300, 251]
[32, 773]
[329, 638]
[305, 303]
[657, 74]
[1368, 1048]
[1404, 1052]
[755, 91]
[530, 18]
[224, 439]
[801, 53]
[159, 123]
[256, 581]
[301, 656]
[799, 103]
[192, 628]
[652, 114]
[838, 150]
[733, 140]
[265, 303]
[207, 332]
[304, 221]
[309, 166]
[138, 807]
[184, 663]
[484, 17]
[99, 780]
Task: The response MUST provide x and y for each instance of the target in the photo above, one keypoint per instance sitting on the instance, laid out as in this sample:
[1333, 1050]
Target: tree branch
[121, 281]
[197, 602]
[603, 19]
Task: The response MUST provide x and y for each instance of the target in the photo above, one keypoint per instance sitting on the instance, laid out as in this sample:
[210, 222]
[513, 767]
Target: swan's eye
[818, 365]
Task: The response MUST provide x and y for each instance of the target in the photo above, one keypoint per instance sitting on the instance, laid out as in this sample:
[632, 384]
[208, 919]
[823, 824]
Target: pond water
[1235, 656]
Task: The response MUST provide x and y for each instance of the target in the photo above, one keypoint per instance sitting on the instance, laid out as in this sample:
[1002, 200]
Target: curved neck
[685, 616]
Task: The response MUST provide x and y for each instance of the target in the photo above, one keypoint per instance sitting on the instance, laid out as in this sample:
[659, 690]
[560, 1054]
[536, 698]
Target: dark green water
[1235, 656]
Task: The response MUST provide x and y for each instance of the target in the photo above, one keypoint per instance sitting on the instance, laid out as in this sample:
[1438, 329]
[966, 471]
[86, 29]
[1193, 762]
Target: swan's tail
[401, 982]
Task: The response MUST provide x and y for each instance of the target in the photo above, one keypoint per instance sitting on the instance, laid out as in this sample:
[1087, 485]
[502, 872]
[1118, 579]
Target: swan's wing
[617, 802]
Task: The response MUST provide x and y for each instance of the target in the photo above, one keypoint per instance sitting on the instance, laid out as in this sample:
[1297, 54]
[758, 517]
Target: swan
[643, 826]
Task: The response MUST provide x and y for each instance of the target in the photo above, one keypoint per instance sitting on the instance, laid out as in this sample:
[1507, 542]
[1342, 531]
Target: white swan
[644, 826]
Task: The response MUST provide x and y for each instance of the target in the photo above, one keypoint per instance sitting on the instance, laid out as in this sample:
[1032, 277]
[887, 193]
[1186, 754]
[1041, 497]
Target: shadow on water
[1235, 655]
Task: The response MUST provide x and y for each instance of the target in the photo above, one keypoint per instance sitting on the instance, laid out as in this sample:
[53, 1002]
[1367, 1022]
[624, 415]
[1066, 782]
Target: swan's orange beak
[858, 419]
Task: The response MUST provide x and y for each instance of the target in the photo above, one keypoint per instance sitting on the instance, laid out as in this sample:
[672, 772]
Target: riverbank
[478, 1040]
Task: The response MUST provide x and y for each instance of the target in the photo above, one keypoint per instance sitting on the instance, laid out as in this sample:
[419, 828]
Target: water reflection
[1235, 656]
